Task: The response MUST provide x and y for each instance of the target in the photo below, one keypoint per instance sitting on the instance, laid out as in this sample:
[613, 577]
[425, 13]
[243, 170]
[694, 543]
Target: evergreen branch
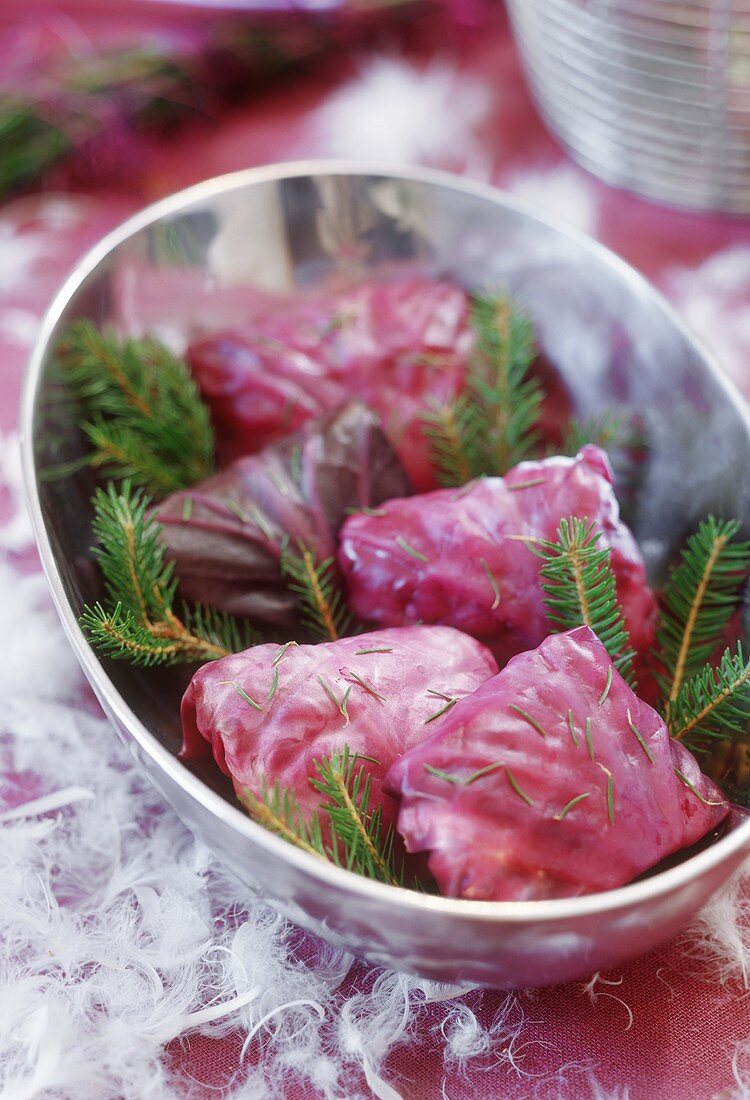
[277, 810]
[606, 429]
[579, 588]
[455, 447]
[79, 100]
[131, 554]
[621, 436]
[500, 379]
[143, 414]
[119, 452]
[86, 93]
[146, 77]
[31, 142]
[356, 840]
[492, 425]
[358, 829]
[699, 599]
[714, 704]
[317, 586]
[143, 626]
[118, 634]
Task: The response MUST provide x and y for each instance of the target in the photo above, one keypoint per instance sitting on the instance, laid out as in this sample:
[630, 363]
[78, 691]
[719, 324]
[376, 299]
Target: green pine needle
[143, 414]
[606, 429]
[454, 444]
[357, 840]
[318, 587]
[699, 599]
[579, 588]
[279, 811]
[500, 378]
[492, 426]
[358, 829]
[142, 625]
[714, 704]
[31, 143]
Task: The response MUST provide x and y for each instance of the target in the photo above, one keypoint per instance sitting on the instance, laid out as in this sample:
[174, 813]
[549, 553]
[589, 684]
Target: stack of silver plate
[653, 95]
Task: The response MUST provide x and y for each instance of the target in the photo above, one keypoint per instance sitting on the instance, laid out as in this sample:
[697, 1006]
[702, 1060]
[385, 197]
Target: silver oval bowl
[189, 264]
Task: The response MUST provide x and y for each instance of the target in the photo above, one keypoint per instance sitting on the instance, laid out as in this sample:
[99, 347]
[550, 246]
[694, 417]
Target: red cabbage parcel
[226, 535]
[269, 713]
[552, 780]
[463, 557]
[399, 345]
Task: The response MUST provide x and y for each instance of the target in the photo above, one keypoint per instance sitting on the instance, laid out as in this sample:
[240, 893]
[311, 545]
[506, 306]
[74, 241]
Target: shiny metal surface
[651, 95]
[187, 265]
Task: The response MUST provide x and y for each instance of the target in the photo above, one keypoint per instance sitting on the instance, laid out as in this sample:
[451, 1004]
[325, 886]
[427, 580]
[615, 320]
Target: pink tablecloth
[673, 1025]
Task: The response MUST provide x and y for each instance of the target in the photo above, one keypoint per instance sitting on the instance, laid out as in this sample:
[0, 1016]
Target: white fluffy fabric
[396, 112]
[714, 299]
[719, 941]
[563, 190]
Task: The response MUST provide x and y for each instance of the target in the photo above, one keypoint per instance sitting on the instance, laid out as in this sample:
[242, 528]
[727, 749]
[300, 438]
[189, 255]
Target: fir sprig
[714, 704]
[277, 810]
[317, 586]
[621, 436]
[607, 429]
[141, 624]
[492, 425]
[31, 142]
[452, 431]
[345, 786]
[149, 86]
[65, 109]
[699, 599]
[500, 376]
[145, 419]
[355, 836]
[579, 588]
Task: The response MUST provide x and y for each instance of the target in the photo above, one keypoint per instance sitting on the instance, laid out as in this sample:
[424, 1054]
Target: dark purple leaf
[226, 535]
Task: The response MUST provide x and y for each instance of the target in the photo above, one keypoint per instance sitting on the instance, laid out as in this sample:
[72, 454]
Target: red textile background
[685, 1025]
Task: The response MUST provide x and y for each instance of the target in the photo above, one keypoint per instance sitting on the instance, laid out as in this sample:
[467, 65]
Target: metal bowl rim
[526, 912]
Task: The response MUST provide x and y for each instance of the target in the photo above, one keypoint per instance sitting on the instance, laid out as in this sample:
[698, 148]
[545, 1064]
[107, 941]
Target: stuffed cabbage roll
[398, 345]
[459, 557]
[226, 535]
[269, 713]
[393, 344]
[552, 780]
